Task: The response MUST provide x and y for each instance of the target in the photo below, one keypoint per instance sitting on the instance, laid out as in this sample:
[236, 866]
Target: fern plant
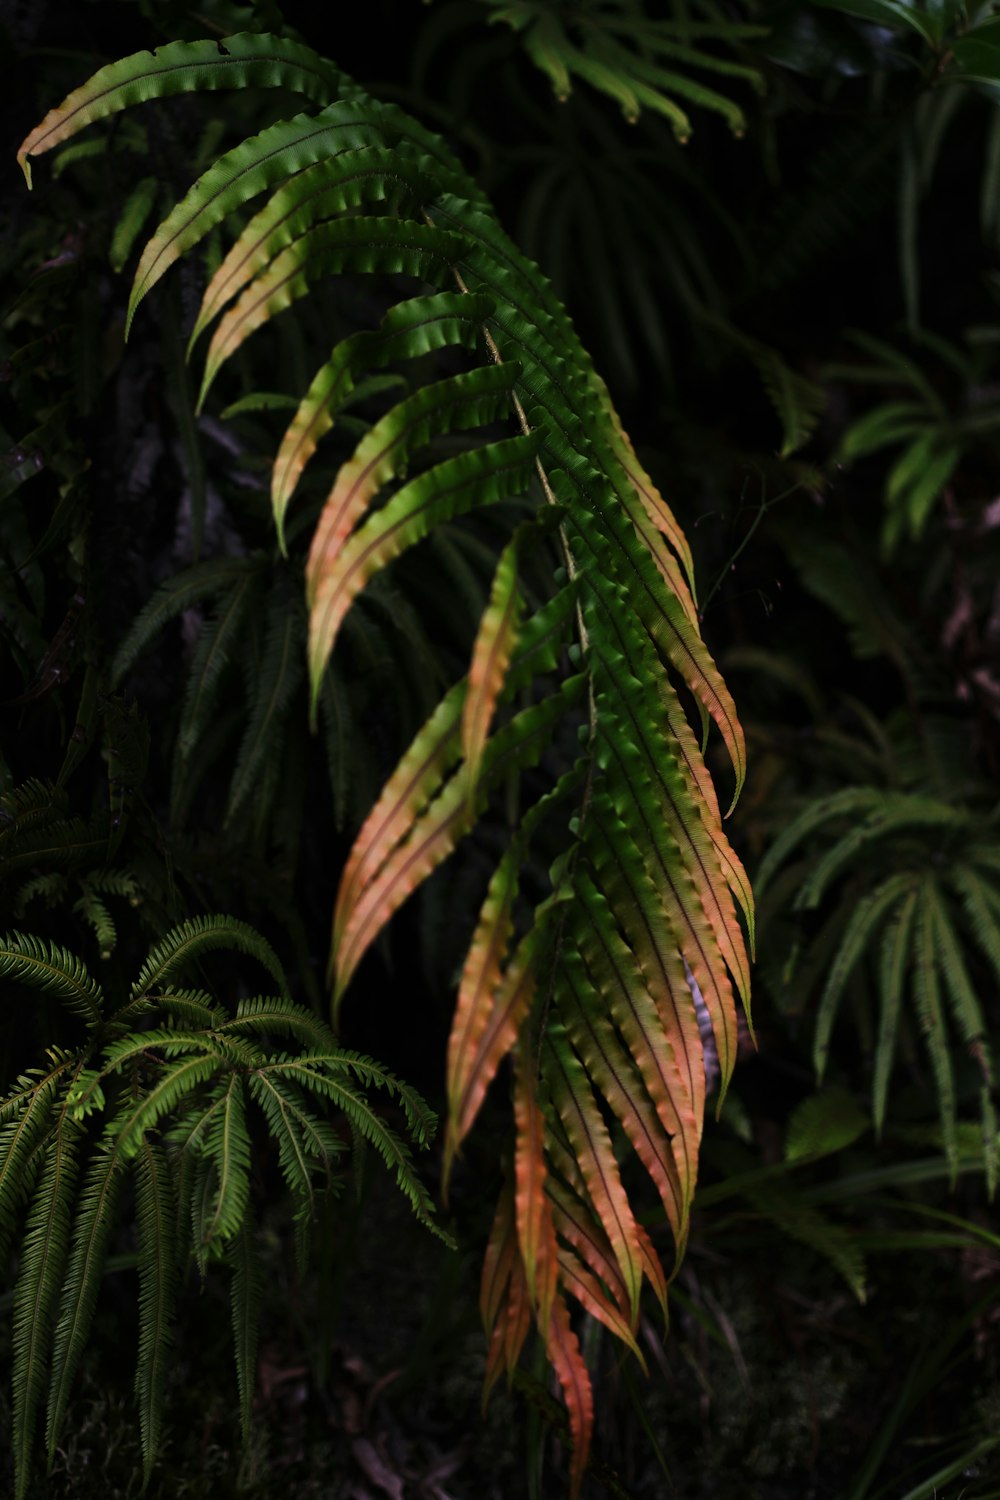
[934, 435]
[905, 883]
[591, 988]
[156, 1093]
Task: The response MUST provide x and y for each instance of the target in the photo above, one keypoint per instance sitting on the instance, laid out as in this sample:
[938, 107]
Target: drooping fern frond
[159, 1093]
[592, 986]
[25, 959]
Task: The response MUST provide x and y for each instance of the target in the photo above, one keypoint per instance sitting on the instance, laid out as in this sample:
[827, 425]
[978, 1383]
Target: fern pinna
[589, 990]
[158, 1090]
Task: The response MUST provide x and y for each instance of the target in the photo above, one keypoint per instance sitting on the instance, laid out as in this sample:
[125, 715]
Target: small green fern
[910, 888]
[159, 1091]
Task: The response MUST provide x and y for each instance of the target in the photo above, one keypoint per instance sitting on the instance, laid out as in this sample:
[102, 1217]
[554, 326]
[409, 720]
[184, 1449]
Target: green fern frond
[187, 942]
[93, 1223]
[246, 1296]
[894, 962]
[205, 580]
[276, 680]
[45, 966]
[27, 1113]
[305, 1141]
[218, 639]
[93, 910]
[228, 1142]
[31, 805]
[194, 1007]
[48, 888]
[44, 1248]
[927, 995]
[642, 822]
[156, 1227]
[858, 933]
[175, 1083]
[266, 1015]
[317, 1073]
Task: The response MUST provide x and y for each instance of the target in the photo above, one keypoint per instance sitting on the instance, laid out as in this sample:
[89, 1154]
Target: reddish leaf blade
[476, 992]
[181, 67]
[591, 1144]
[336, 577]
[409, 330]
[358, 244]
[563, 1349]
[415, 781]
[535, 1229]
[495, 641]
[617, 1076]
[485, 1048]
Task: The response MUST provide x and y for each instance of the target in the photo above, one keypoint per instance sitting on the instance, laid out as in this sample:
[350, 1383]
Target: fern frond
[180, 67]
[45, 966]
[495, 641]
[335, 578]
[327, 189]
[409, 330]
[178, 1079]
[982, 912]
[156, 1226]
[191, 939]
[266, 1014]
[591, 1145]
[895, 959]
[857, 934]
[228, 1142]
[203, 581]
[31, 805]
[94, 1221]
[246, 1297]
[275, 682]
[195, 1007]
[927, 993]
[93, 910]
[317, 1074]
[218, 638]
[965, 1006]
[44, 1248]
[304, 1141]
[645, 892]
[27, 1115]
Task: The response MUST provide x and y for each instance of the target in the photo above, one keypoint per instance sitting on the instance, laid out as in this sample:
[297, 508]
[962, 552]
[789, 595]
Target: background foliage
[776, 226]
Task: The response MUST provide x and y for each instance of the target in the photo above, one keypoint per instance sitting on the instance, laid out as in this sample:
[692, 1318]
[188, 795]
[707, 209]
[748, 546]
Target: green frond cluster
[635, 60]
[917, 894]
[167, 1107]
[931, 434]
